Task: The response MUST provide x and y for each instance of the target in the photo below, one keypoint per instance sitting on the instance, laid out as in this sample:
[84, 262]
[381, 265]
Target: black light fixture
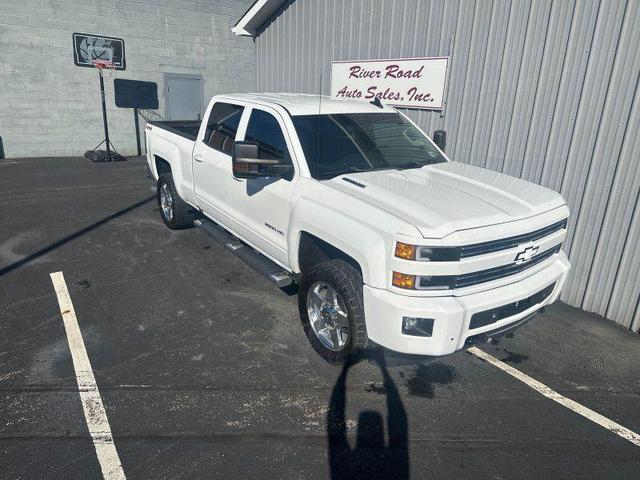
[417, 327]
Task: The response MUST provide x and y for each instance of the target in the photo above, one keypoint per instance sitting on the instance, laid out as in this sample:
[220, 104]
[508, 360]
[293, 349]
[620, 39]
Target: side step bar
[259, 262]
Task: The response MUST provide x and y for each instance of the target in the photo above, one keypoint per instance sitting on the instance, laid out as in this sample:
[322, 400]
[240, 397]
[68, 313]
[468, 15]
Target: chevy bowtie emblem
[526, 253]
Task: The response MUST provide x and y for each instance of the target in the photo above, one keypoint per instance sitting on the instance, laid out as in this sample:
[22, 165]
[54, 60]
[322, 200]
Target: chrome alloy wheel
[166, 201]
[327, 316]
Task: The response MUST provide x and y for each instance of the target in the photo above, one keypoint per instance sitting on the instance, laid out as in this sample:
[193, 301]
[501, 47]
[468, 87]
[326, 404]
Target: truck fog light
[403, 280]
[418, 327]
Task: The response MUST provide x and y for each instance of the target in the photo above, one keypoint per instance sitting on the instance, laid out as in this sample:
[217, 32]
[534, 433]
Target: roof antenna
[376, 101]
[320, 94]
[317, 122]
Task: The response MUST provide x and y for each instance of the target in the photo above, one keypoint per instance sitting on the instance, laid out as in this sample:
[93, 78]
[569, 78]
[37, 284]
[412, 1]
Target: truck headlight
[407, 251]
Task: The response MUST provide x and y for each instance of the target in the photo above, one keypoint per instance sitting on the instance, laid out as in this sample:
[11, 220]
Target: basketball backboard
[87, 48]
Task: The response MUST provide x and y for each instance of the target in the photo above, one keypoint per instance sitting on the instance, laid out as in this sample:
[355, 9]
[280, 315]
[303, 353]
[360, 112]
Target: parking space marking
[562, 400]
[92, 405]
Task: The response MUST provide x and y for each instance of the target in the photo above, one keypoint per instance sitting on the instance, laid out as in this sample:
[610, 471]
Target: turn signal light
[402, 280]
[406, 251]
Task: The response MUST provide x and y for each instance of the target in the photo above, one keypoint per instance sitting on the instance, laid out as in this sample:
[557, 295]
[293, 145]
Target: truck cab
[392, 244]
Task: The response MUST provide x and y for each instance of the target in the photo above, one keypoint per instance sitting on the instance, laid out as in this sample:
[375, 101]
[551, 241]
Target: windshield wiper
[335, 173]
[411, 164]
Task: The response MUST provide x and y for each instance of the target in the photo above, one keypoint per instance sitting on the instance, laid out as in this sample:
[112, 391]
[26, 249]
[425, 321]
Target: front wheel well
[313, 250]
[162, 166]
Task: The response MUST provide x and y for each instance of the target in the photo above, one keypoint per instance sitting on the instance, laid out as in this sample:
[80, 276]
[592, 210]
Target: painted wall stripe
[94, 411]
[556, 397]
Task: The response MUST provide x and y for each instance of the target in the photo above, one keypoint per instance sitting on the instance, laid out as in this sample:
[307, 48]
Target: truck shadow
[371, 457]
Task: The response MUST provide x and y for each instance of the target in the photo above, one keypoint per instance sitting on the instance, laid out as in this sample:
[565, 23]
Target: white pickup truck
[391, 243]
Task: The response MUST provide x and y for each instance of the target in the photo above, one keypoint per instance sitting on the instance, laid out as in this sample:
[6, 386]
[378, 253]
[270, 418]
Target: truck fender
[351, 236]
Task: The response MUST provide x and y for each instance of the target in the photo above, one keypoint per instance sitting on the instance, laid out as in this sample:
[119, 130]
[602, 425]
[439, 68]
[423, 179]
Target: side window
[222, 126]
[264, 129]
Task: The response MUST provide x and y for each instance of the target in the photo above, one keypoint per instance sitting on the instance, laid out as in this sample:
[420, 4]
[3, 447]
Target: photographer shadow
[371, 457]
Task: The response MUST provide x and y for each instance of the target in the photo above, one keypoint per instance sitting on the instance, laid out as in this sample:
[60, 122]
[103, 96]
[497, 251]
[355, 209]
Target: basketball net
[106, 67]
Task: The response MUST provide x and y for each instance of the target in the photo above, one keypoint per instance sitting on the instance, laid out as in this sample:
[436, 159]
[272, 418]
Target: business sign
[402, 82]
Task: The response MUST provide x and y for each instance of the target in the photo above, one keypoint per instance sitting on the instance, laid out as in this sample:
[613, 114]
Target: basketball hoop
[106, 54]
[105, 67]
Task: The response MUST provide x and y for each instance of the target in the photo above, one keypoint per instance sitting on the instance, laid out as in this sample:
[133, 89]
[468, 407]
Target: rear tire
[318, 313]
[175, 212]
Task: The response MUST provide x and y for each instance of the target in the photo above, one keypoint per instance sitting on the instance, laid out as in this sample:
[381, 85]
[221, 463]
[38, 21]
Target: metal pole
[135, 117]
[104, 117]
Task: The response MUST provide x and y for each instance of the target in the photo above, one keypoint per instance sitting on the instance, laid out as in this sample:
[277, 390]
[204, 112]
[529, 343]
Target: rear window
[222, 126]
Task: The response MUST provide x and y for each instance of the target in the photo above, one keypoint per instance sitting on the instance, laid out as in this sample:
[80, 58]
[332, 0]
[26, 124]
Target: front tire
[175, 212]
[332, 310]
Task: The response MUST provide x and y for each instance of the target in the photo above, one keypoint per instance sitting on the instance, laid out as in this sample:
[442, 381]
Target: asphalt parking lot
[204, 370]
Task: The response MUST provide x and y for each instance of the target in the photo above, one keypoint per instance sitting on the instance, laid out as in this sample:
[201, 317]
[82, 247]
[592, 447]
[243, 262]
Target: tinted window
[264, 129]
[342, 143]
[222, 126]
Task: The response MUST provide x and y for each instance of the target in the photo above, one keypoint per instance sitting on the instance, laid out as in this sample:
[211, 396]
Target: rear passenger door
[212, 171]
[261, 207]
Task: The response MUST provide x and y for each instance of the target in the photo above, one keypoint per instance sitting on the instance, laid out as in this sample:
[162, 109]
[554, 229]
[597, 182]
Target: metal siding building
[543, 90]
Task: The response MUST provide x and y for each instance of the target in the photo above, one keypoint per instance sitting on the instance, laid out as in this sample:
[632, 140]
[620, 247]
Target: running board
[259, 262]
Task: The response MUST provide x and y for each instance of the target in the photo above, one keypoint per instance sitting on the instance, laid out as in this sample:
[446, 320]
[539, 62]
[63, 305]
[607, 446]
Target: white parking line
[94, 411]
[556, 397]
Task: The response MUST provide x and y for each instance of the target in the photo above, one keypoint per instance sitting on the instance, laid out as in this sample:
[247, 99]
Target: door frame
[194, 76]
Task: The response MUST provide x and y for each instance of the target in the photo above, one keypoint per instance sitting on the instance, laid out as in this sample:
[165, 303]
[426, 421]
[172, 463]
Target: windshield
[360, 142]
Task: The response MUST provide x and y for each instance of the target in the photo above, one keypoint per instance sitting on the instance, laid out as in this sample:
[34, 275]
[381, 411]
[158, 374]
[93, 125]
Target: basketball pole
[104, 116]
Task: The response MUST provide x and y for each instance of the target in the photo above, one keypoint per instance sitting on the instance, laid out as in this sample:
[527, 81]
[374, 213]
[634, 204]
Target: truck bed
[184, 128]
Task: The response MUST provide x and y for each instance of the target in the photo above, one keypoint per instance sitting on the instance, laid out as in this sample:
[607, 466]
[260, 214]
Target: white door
[212, 170]
[183, 96]
[261, 207]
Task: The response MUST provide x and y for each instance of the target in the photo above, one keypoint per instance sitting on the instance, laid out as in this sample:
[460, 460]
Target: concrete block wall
[50, 107]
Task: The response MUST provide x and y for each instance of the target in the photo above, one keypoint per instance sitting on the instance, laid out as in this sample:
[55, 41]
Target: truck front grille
[504, 243]
[444, 282]
[482, 276]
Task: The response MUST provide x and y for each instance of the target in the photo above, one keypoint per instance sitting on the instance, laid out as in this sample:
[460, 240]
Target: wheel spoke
[332, 296]
[343, 336]
[319, 324]
[343, 320]
[324, 333]
[334, 337]
[316, 302]
[317, 295]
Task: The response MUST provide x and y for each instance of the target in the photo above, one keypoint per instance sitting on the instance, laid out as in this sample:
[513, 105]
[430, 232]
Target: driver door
[261, 207]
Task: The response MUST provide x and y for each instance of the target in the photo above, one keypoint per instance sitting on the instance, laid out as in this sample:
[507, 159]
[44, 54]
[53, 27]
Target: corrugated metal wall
[545, 90]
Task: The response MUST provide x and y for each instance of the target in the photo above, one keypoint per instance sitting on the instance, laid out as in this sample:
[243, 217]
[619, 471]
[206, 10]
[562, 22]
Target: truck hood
[447, 197]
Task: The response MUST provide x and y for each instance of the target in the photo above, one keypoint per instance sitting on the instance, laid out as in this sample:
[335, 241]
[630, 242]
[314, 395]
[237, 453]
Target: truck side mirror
[440, 139]
[247, 164]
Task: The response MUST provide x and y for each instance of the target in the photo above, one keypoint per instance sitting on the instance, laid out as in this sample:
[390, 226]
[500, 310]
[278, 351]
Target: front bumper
[384, 311]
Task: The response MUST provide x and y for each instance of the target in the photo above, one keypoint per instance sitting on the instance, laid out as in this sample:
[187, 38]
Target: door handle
[197, 157]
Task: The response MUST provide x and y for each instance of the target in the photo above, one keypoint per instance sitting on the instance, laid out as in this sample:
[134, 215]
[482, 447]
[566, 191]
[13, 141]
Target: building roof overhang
[256, 16]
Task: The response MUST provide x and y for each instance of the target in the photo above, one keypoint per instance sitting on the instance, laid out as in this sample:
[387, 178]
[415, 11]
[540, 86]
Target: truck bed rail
[184, 128]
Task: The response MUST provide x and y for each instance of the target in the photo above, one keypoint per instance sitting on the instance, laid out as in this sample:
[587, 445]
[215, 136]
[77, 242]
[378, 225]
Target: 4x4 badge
[526, 254]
